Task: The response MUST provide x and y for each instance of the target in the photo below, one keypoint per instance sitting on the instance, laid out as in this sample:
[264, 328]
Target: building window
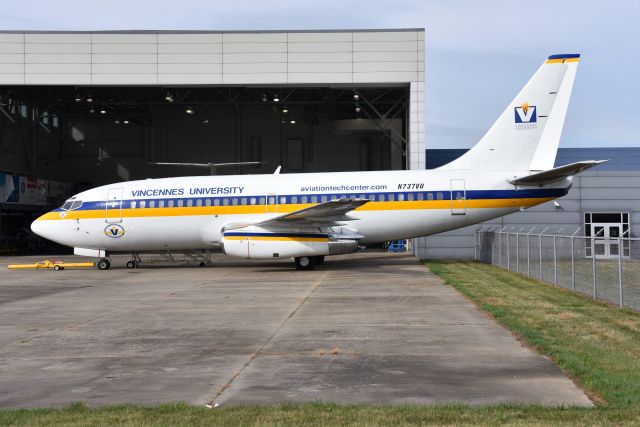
[606, 231]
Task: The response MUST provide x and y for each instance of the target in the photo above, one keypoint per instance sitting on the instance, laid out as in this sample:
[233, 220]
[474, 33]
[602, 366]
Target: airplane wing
[555, 174]
[325, 214]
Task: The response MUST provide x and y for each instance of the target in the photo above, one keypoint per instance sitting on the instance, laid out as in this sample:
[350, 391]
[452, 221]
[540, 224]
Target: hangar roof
[620, 158]
[212, 58]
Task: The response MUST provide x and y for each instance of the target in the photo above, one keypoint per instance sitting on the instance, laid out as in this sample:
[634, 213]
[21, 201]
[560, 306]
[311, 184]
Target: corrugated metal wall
[212, 58]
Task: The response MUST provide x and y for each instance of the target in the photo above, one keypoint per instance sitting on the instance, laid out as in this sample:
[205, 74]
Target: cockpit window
[71, 204]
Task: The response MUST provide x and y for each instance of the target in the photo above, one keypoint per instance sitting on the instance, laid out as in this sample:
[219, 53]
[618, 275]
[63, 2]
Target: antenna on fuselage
[212, 166]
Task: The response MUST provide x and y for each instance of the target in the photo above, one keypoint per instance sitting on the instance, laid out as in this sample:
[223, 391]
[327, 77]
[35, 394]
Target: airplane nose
[37, 227]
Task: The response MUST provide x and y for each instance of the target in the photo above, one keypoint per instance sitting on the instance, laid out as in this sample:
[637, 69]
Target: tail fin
[527, 134]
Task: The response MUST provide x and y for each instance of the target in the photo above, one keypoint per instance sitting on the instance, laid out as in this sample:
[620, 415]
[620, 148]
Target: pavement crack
[228, 384]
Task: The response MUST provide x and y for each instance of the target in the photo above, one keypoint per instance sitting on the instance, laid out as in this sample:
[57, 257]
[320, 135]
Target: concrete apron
[371, 327]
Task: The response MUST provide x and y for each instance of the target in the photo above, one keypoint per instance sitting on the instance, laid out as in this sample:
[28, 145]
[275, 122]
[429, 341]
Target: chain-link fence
[606, 268]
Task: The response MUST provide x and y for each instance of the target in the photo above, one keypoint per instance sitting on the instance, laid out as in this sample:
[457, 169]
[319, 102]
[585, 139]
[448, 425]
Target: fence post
[555, 262]
[593, 265]
[508, 250]
[573, 265]
[500, 248]
[517, 252]
[620, 282]
[528, 256]
[540, 251]
[475, 245]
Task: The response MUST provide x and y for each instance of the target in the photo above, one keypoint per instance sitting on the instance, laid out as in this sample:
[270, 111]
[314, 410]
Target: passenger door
[458, 197]
[113, 207]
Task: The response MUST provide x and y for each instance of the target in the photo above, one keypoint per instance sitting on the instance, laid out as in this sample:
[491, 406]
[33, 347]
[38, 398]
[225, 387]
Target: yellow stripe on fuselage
[282, 209]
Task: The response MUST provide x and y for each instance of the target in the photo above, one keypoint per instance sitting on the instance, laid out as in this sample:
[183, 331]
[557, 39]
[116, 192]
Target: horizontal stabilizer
[555, 174]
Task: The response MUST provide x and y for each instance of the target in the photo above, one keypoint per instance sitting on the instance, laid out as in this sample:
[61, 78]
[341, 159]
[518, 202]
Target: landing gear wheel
[202, 264]
[58, 267]
[319, 260]
[131, 264]
[104, 264]
[305, 263]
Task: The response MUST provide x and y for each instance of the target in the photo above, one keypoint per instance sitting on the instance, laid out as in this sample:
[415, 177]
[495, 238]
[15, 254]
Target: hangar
[605, 197]
[82, 109]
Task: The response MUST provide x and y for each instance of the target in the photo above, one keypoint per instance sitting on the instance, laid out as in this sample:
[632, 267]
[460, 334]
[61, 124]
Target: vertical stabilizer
[527, 134]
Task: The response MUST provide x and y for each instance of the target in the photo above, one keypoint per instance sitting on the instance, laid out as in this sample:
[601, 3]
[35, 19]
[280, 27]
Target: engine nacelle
[258, 243]
[267, 245]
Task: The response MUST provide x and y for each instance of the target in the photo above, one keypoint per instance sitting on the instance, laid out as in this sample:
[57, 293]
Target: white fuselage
[189, 213]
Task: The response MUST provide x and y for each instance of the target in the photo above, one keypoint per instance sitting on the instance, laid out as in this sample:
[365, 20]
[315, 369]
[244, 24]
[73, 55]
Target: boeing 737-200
[310, 215]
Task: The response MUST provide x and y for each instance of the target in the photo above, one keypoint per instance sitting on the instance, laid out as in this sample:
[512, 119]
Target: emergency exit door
[458, 197]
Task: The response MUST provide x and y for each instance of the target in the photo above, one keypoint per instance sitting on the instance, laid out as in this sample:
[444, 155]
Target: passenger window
[180, 203]
[324, 199]
[303, 199]
[133, 204]
[225, 202]
[161, 204]
[420, 196]
[234, 201]
[262, 200]
[272, 200]
[207, 202]
[439, 196]
[283, 200]
[410, 196]
[400, 197]
[381, 197]
[152, 203]
[294, 199]
[243, 201]
[199, 202]
[252, 200]
[216, 202]
[170, 203]
[314, 199]
[392, 197]
[430, 196]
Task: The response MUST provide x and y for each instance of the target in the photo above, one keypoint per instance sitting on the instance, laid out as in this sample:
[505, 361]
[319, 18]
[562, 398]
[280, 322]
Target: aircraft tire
[104, 264]
[305, 263]
[58, 268]
[131, 264]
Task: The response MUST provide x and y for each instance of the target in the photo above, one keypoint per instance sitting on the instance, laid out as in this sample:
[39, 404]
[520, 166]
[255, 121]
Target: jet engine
[256, 243]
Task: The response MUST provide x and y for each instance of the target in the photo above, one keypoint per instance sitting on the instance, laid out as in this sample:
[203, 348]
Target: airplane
[308, 216]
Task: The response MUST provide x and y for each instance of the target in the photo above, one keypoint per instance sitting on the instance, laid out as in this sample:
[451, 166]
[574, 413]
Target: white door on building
[606, 239]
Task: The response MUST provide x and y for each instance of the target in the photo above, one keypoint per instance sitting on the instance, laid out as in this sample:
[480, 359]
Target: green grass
[320, 414]
[597, 344]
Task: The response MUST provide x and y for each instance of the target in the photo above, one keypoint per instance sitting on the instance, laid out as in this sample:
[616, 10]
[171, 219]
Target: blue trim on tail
[565, 56]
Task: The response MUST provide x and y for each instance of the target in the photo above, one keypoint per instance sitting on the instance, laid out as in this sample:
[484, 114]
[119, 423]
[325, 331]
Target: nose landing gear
[104, 264]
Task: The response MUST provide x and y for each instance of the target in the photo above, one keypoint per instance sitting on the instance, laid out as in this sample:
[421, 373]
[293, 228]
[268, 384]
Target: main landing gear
[308, 262]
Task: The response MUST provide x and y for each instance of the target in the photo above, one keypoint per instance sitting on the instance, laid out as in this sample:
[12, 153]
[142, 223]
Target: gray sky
[478, 53]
